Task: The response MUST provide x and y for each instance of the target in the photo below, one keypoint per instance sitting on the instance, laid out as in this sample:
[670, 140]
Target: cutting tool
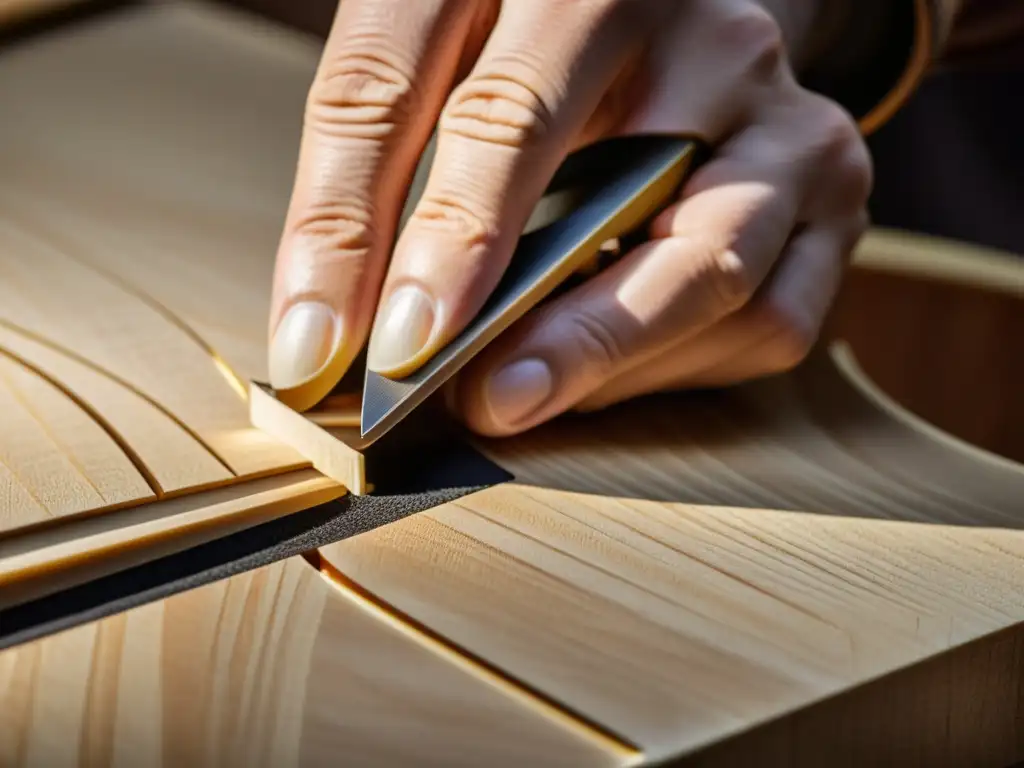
[601, 193]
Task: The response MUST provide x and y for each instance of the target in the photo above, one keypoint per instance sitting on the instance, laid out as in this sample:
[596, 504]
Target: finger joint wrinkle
[361, 94]
[342, 227]
[497, 109]
[601, 347]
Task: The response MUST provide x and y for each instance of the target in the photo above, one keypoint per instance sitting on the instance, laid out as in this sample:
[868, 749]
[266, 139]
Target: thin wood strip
[51, 559]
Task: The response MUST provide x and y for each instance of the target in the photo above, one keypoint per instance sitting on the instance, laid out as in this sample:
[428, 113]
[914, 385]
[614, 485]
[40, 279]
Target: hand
[737, 275]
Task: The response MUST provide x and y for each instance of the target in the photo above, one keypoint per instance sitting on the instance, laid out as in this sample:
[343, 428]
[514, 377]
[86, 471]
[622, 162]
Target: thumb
[500, 138]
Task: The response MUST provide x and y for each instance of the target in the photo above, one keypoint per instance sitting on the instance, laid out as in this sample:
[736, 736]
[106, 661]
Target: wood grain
[134, 279]
[47, 559]
[684, 568]
[50, 294]
[61, 457]
[710, 576]
[186, 127]
[270, 668]
[167, 452]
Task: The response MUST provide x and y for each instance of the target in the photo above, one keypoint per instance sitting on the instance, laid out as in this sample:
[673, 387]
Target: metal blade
[616, 186]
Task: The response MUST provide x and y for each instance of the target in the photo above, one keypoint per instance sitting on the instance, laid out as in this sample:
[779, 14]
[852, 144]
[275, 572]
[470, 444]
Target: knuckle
[364, 93]
[844, 155]
[601, 347]
[335, 227]
[836, 133]
[454, 214]
[790, 335]
[755, 37]
[498, 109]
[726, 281]
[856, 176]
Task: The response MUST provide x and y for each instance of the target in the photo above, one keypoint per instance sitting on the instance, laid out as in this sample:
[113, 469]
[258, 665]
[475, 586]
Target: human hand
[737, 275]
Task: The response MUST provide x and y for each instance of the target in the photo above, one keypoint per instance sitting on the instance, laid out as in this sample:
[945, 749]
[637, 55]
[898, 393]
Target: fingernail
[517, 390]
[304, 341]
[402, 329]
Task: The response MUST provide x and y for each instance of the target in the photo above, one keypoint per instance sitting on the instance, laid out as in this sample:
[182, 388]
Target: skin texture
[733, 282]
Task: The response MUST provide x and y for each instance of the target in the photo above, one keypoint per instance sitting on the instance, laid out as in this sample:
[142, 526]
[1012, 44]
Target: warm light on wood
[784, 573]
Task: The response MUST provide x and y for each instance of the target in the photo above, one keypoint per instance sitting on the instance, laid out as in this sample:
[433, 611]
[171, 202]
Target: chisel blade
[614, 187]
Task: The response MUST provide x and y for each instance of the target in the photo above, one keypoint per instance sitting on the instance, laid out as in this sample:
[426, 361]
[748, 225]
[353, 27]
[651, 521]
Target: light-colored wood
[858, 541]
[681, 572]
[51, 293]
[168, 454]
[178, 176]
[60, 460]
[116, 292]
[132, 280]
[324, 446]
[276, 668]
[46, 560]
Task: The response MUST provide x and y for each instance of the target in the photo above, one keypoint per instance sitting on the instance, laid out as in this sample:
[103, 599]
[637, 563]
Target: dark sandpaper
[445, 473]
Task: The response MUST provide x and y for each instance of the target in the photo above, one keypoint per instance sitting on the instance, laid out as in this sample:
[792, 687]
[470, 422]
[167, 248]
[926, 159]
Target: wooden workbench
[825, 568]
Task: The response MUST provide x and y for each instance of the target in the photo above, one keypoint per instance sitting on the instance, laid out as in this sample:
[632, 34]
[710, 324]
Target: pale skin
[733, 282]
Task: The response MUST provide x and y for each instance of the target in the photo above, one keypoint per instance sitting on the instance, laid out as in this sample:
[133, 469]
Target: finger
[501, 137]
[381, 83]
[770, 335]
[660, 293]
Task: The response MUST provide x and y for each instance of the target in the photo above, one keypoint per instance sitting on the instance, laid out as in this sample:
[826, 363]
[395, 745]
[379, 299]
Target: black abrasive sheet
[445, 473]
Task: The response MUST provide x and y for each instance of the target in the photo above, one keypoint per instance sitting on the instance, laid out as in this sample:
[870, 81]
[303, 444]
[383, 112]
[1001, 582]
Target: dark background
[951, 163]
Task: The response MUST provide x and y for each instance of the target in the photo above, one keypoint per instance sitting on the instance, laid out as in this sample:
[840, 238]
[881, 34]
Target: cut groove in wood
[170, 451]
[57, 297]
[113, 377]
[473, 663]
[63, 456]
[230, 376]
[96, 417]
[267, 669]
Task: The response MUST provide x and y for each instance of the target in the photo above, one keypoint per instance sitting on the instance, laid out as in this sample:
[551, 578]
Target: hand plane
[601, 193]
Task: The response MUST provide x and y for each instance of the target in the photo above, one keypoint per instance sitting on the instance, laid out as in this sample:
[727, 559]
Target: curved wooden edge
[617, 525]
[937, 258]
[845, 362]
[923, 47]
[19, 10]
